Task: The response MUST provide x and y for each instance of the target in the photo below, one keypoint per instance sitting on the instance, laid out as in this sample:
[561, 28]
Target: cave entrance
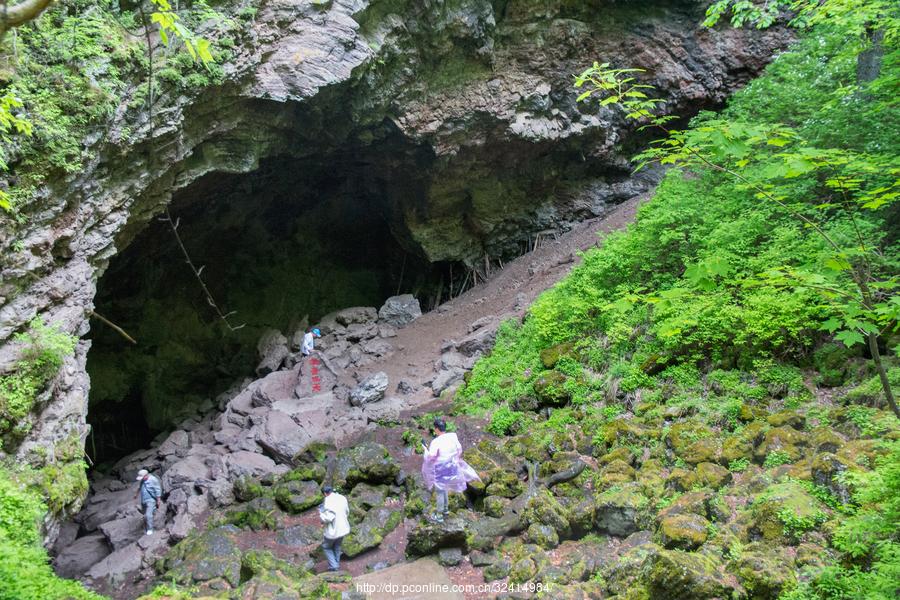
[295, 239]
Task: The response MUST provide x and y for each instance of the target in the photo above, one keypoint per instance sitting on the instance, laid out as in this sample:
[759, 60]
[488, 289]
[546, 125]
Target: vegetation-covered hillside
[710, 391]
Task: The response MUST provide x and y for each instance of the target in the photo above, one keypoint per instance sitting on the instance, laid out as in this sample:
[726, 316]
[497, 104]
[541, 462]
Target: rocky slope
[467, 106]
[375, 367]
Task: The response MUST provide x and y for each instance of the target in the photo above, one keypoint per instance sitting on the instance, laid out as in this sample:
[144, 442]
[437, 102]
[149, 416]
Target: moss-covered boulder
[544, 509]
[784, 509]
[550, 356]
[695, 503]
[825, 439]
[497, 570]
[623, 432]
[685, 531]
[370, 532]
[763, 572]
[712, 475]
[314, 453]
[826, 469]
[258, 514]
[495, 506]
[616, 472]
[623, 573]
[306, 472]
[542, 535]
[621, 453]
[785, 440]
[204, 557]
[787, 418]
[681, 480]
[297, 496]
[550, 389]
[367, 462]
[621, 511]
[742, 444]
[505, 484]
[685, 576]
[685, 433]
[426, 538]
[267, 577]
[366, 496]
[247, 488]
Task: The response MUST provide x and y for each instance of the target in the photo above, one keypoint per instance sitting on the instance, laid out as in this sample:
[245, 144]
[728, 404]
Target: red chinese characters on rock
[316, 380]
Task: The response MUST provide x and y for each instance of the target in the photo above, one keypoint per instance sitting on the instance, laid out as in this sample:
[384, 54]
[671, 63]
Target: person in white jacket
[335, 513]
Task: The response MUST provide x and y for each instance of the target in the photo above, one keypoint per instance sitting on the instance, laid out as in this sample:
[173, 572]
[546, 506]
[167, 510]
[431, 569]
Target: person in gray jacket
[150, 493]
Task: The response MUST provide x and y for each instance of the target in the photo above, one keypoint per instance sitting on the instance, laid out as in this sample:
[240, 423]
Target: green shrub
[25, 573]
[505, 421]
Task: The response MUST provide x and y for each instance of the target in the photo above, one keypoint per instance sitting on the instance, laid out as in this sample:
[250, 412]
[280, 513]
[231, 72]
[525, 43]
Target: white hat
[142, 473]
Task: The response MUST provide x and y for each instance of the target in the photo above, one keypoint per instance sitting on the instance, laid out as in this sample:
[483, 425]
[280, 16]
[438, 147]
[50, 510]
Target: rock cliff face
[461, 113]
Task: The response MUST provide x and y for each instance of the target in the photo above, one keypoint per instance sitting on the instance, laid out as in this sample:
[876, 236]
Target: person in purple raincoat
[444, 469]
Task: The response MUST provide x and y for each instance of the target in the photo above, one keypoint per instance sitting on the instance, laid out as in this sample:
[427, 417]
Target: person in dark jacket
[149, 493]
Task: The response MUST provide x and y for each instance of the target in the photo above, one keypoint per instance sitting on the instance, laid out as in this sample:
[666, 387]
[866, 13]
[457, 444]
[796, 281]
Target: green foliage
[739, 465]
[44, 348]
[25, 573]
[868, 539]
[794, 525]
[505, 421]
[777, 458]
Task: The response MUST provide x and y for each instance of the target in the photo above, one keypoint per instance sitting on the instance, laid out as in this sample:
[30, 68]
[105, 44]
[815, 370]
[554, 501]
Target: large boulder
[210, 555]
[250, 464]
[369, 533]
[684, 576]
[371, 389]
[124, 531]
[427, 538]
[297, 496]
[400, 310]
[81, 555]
[281, 437]
[369, 462]
[272, 349]
[621, 511]
[685, 531]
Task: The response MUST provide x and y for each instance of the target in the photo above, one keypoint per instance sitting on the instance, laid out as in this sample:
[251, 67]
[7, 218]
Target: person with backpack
[335, 513]
[150, 493]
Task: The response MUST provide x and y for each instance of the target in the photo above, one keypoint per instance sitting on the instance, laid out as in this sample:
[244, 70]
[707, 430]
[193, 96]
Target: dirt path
[508, 293]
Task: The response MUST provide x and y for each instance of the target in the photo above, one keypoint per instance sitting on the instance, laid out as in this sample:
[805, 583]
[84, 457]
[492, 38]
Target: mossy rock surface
[542, 535]
[258, 514]
[306, 472]
[685, 576]
[784, 439]
[207, 556]
[769, 509]
[550, 356]
[763, 573]
[505, 484]
[787, 418]
[685, 531]
[247, 488]
[685, 433]
[616, 472]
[621, 511]
[367, 462]
[426, 538]
[544, 509]
[549, 389]
[298, 496]
[696, 503]
[368, 534]
[712, 475]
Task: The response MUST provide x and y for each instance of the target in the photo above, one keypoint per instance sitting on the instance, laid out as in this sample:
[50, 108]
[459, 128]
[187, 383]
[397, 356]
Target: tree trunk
[868, 63]
[882, 374]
